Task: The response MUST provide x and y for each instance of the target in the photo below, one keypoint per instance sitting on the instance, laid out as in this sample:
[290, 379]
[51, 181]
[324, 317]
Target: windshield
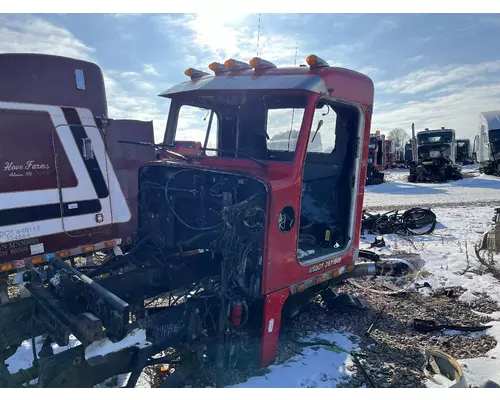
[434, 137]
[261, 126]
[373, 144]
[494, 135]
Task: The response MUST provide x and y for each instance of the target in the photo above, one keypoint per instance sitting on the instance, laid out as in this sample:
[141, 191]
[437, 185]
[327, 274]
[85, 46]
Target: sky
[431, 69]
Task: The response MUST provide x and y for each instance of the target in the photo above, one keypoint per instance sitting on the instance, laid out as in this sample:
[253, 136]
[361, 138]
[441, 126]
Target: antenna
[258, 37]
[293, 111]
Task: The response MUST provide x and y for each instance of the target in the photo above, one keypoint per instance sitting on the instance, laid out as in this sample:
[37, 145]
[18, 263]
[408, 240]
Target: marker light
[233, 64]
[6, 267]
[218, 67]
[37, 260]
[194, 73]
[259, 63]
[316, 62]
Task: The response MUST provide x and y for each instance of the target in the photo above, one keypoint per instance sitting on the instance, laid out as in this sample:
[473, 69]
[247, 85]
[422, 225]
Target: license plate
[435, 153]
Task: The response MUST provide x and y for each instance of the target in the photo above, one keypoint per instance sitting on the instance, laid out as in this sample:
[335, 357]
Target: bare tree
[398, 136]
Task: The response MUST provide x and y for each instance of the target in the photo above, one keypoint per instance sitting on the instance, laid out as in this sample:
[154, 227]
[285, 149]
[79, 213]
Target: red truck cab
[289, 147]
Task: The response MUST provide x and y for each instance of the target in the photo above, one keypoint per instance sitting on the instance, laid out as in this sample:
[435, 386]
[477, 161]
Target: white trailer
[488, 142]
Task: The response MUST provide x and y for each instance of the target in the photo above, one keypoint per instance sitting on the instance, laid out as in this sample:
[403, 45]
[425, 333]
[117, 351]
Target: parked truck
[377, 151]
[434, 154]
[487, 143]
[464, 152]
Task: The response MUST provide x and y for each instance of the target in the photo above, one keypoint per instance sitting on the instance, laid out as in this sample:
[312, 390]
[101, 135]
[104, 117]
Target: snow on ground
[397, 191]
[449, 252]
[23, 357]
[318, 367]
[104, 347]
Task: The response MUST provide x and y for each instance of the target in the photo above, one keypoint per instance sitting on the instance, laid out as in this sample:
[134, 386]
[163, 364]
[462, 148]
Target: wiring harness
[415, 221]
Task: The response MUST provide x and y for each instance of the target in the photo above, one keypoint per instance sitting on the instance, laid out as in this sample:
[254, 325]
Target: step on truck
[67, 187]
[231, 242]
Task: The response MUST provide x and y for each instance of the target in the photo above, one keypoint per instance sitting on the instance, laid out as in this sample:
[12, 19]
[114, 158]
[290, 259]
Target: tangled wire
[410, 223]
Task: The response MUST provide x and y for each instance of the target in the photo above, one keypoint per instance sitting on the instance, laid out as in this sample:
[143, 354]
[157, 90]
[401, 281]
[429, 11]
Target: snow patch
[23, 357]
[319, 366]
[136, 338]
[468, 297]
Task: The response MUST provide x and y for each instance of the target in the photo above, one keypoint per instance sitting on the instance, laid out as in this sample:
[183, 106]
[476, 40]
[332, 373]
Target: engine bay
[214, 219]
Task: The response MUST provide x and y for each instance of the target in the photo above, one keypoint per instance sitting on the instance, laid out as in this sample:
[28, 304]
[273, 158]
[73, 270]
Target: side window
[323, 130]
[192, 125]
[283, 126]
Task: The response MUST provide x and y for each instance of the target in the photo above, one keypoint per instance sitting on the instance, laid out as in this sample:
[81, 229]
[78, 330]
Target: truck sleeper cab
[67, 187]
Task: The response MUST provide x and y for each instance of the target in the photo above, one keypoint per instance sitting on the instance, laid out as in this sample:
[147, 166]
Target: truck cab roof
[339, 82]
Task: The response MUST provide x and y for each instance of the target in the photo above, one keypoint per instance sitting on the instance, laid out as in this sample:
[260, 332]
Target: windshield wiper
[320, 124]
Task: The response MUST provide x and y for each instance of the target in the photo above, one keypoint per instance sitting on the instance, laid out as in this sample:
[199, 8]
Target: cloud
[144, 85]
[370, 71]
[129, 74]
[457, 110]
[434, 96]
[126, 103]
[426, 79]
[29, 34]
[205, 38]
[415, 59]
[150, 70]
[129, 95]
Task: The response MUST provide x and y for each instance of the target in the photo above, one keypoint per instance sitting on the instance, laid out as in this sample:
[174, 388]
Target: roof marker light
[316, 62]
[259, 63]
[194, 73]
[218, 68]
[233, 64]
